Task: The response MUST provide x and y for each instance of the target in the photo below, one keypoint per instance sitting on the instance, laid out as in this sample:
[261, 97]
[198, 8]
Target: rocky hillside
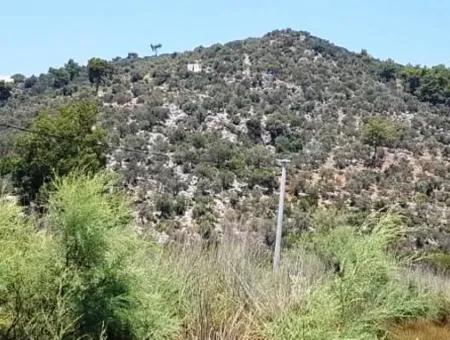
[196, 136]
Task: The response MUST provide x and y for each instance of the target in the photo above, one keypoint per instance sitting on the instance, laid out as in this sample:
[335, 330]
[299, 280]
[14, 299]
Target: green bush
[170, 206]
[365, 293]
[32, 304]
[262, 177]
[88, 275]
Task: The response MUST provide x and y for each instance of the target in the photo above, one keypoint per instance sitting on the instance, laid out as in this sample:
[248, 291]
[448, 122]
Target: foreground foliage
[366, 293]
[87, 275]
[82, 272]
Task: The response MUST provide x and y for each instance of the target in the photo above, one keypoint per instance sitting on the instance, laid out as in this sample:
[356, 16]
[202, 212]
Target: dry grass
[425, 279]
[422, 330]
[232, 291]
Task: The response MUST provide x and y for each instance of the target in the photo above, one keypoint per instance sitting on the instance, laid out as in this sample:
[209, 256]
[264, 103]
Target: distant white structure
[6, 79]
[194, 67]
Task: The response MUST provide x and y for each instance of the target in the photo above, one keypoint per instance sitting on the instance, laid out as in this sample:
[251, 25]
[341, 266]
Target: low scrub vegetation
[361, 133]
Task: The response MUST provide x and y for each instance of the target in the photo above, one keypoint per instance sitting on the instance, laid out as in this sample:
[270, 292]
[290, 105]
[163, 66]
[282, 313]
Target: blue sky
[44, 33]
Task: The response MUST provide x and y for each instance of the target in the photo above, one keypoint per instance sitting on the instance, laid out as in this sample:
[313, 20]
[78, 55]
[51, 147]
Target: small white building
[194, 67]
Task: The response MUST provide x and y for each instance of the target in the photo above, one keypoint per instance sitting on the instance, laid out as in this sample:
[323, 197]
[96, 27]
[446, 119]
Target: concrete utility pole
[277, 253]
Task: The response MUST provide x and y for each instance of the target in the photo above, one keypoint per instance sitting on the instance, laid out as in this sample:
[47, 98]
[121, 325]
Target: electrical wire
[22, 129]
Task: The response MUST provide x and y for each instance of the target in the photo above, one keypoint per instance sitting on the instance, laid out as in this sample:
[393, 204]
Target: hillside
[196, 136]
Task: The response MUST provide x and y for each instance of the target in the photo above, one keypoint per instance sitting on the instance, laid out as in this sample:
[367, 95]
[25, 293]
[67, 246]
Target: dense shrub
[364, 294]
[58, 144]
[87, 275]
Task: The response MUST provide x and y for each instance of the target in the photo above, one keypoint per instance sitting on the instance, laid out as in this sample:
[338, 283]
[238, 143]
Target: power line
[20, 128]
